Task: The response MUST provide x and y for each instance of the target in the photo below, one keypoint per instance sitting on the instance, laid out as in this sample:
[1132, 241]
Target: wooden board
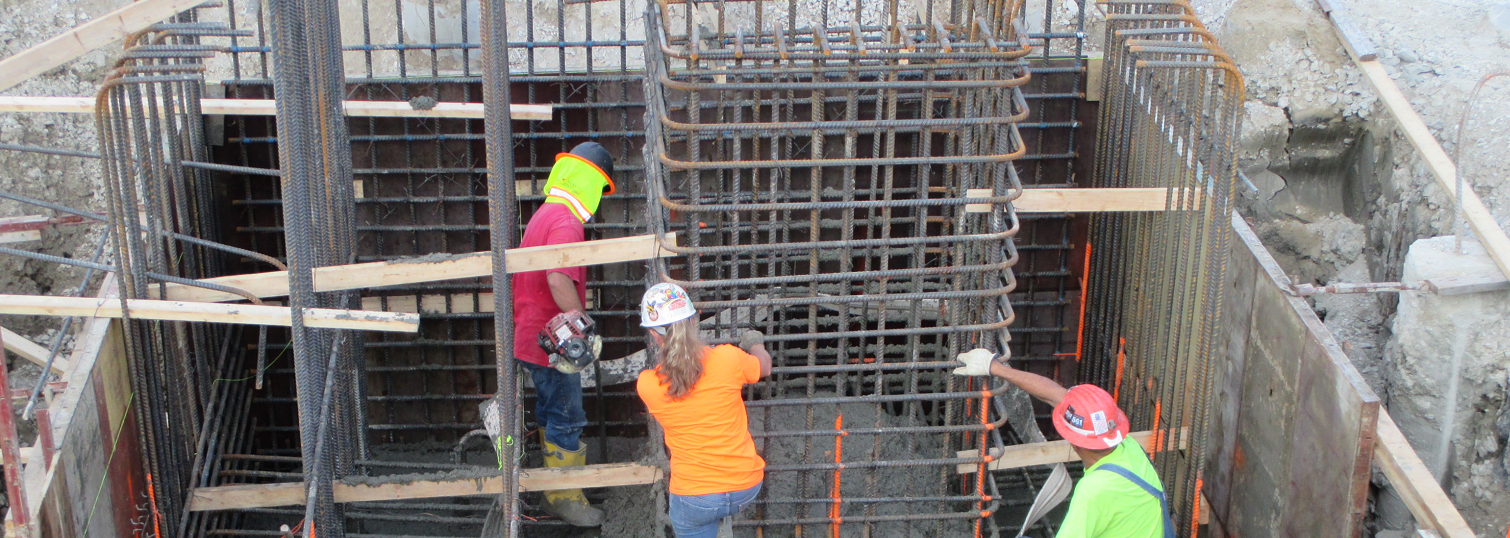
[433, 269]
[1045, 453]
[1095, 76]
[43, 305]
[1467, 284]
[1080, 200]
[20, 237]
[1331, 445]
[267, 107]
[26, 349]
[418, 487]
[1415, 484]
[96, 465]
[1484, 226]
[101, 31]
[1358, 45]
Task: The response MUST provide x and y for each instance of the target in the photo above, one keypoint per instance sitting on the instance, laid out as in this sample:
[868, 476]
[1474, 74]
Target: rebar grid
[149, 123]
[1170, 119]
[421, 192]
[818, 157]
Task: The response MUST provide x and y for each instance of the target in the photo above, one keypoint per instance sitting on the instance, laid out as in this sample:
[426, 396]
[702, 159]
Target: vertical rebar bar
[503, 519]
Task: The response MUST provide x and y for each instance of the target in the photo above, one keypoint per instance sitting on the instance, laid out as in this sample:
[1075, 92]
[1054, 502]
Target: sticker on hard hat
[1098, 422]
[1073, 419]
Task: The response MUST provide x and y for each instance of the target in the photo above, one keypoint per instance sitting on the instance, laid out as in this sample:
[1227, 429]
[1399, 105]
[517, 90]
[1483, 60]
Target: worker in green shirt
[1120, 495]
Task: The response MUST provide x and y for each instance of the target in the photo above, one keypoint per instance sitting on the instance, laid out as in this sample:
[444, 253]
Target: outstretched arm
[1039, 386]
[983, 362]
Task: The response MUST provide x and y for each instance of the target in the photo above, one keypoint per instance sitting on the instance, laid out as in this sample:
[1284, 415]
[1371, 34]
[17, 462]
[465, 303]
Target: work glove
[750, 339]
[562, 365]
[977, 362]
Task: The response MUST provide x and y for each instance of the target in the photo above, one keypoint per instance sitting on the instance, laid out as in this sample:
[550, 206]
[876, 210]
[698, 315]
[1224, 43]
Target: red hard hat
[1089, 418]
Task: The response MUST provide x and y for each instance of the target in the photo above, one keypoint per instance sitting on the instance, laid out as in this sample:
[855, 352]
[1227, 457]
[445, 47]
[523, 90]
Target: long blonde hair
[681, 358]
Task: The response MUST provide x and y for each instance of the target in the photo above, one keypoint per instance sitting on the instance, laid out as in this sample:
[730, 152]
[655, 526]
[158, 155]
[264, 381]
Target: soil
[915, 481]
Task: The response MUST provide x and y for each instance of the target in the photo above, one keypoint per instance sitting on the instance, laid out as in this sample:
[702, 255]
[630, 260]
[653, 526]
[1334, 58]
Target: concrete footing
[1449, 372]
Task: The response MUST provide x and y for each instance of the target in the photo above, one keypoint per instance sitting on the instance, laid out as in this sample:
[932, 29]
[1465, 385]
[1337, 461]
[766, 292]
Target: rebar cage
[826, 200]
[1170, 119]
[820, 166]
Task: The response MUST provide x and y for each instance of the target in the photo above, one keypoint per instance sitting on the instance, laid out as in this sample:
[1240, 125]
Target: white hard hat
[665, 304]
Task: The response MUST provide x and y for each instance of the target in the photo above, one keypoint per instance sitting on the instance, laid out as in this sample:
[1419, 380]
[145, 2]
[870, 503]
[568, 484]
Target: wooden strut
[267, 107]
[432, 269]
[101, 31]
[243, 496]
[623, 249]
[1087, 200]
[101, 307]
[1046, 453]
[26, 349]
[1416, 486]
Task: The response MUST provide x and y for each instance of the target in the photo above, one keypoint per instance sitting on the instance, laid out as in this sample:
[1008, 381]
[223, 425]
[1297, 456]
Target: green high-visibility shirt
[1106, 505]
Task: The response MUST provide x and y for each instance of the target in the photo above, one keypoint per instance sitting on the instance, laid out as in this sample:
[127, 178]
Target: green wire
[269, 365]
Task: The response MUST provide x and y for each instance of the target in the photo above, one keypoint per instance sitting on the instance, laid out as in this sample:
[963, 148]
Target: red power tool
[571, 340]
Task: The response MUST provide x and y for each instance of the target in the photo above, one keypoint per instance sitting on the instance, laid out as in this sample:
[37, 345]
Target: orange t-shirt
[708, 431]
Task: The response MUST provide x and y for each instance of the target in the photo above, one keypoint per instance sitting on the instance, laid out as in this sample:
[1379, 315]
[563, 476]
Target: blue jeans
[697, 516]
[558, 405]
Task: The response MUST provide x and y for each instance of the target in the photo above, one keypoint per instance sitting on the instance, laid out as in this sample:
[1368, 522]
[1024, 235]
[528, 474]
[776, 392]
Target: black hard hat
[598, 155]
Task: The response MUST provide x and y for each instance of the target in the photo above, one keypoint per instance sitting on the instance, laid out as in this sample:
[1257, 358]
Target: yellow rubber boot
[569, 504]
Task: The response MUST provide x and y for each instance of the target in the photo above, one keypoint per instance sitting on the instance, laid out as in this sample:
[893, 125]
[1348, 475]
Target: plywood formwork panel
[1231, 353]
[1298, 423]
[97, 463]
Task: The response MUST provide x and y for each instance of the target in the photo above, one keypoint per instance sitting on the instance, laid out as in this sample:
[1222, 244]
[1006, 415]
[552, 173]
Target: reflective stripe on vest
[559, 195]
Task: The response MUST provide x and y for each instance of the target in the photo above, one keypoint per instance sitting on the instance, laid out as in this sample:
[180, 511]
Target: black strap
[1163, 504]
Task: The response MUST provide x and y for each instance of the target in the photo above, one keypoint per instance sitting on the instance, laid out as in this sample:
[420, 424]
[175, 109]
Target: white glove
[977, 362]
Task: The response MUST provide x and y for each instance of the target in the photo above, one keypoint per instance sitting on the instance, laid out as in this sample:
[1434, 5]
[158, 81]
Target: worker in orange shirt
[694, 392]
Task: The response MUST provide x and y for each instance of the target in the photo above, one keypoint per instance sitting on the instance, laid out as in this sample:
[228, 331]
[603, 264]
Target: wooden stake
[419, 487]
[266, 107]
[426, 269]
[93, 307]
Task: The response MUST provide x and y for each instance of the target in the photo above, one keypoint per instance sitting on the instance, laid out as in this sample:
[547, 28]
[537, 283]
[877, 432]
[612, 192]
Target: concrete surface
[1450, 358]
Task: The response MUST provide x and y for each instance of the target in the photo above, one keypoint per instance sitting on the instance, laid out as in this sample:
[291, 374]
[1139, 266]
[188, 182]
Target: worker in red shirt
[577, 182]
